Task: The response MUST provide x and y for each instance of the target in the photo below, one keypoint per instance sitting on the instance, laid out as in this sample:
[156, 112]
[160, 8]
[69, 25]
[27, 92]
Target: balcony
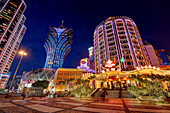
[109, 34]
[111, 39]
[108, 26]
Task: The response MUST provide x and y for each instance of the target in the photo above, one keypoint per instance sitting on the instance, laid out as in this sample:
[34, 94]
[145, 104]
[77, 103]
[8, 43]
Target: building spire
[61, 26]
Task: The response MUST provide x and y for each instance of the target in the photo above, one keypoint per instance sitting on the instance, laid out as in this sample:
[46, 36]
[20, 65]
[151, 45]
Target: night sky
[83, 16]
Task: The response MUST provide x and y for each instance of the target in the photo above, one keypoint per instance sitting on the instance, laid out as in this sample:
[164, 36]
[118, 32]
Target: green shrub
[150, 88]
[81, 91]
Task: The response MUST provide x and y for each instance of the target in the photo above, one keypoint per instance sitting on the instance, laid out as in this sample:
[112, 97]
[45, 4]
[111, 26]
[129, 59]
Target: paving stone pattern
[80, 105]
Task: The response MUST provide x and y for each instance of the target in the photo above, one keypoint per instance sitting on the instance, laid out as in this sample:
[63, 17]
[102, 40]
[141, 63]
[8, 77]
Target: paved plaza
[80, 105]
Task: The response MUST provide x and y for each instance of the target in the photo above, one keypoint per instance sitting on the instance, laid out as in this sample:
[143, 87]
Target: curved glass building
[37, 74]
[118, 38]
[57, 46]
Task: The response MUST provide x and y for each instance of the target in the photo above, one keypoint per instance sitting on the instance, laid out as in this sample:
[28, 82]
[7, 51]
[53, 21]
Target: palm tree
[72, 80]
[93, 81]
[86, 82]
[61, 83]
[67, 83]
[78, 82]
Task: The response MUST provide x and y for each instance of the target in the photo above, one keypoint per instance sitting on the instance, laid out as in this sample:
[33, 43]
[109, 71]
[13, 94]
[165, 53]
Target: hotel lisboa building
[117, 38]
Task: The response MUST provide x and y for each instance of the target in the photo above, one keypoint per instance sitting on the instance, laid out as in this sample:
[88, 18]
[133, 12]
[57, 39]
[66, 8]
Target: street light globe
[25, 53]
[22, 53]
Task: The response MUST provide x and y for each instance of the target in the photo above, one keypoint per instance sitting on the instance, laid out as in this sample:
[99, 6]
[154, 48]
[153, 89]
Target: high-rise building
[91, 57]
[15, 83]
[118, 38]
[152, 56]
[168, 53]
[3, 80]
[85, 65]
[164, 55]
[12, 30]
[57, 46]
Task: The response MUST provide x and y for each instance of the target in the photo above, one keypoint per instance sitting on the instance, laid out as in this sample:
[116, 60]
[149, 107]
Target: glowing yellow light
[146, 67]
[154, 67]
[158, 68]
[22, 53]
[138, 68]
[103, 71]
[150, 66]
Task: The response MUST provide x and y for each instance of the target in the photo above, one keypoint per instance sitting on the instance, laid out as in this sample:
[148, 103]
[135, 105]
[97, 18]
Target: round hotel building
[118, 38]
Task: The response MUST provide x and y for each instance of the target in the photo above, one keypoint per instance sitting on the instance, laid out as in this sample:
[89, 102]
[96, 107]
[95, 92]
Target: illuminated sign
[90, 51]
[109, 64]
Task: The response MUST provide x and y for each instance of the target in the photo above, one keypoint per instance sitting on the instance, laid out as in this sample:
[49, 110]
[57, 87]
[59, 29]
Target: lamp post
[22, 53]
[119, 79]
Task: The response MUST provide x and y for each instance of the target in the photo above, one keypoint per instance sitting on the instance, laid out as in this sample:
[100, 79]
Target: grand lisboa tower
[118, 38]
[57, 46]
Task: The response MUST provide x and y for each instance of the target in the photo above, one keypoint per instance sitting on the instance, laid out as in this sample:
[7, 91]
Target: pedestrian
[23, 93]
[54, 94]
[104, 93]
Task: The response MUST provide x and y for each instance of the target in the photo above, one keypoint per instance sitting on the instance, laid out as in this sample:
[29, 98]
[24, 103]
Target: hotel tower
[57, 46]
[12, 30]
[118, 38]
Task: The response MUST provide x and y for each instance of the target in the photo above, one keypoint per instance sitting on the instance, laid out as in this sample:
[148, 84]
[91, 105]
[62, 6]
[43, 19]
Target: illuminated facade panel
[38, 74]
[3, 80]
[63, 74]
[153, 58]
[85, 65]
[12, 30]
[91, 57]
[118, 38]
[165, 58]
[57, 45]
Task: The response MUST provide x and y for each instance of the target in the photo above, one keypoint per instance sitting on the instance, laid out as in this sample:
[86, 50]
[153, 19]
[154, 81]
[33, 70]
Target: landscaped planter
[167, 99]
[150, 98]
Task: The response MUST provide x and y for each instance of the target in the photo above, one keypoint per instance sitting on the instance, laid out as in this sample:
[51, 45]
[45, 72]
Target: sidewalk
[80, 105]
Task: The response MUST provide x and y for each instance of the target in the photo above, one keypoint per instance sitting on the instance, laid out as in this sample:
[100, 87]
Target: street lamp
[22, 53]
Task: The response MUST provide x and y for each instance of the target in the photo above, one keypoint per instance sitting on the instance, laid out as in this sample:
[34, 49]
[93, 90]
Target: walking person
[104, 93]
[24, 93]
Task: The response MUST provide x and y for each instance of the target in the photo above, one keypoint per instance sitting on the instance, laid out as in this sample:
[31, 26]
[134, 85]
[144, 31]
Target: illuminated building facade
[117, 38]
[57, 46]
[3, 80]
[38, 74]
[64, 74]
[91, 57]
[85, 65]
[153, 58]
[15, 83]
[12, 30]
[165, 58]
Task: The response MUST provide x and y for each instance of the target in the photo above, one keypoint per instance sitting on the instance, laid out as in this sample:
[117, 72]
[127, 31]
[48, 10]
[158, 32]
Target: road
[80, 105]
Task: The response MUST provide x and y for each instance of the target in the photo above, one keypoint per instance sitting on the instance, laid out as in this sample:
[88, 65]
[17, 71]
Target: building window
[128, 63]
[141, 63]
[66, 73]
[79, 74]
[60, 73]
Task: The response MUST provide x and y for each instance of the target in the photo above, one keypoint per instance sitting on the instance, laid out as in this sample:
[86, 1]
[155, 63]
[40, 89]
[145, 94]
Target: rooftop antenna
[61, 26]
